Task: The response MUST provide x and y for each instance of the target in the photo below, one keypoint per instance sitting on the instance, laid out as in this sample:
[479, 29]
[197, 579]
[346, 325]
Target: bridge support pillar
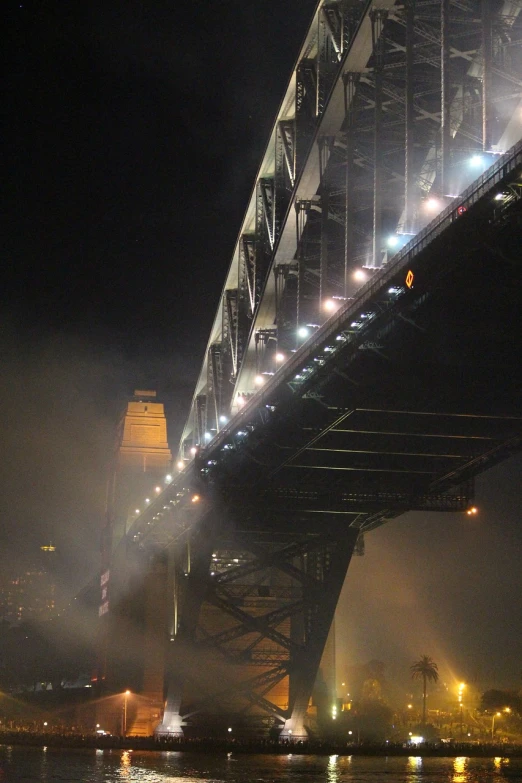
[188, 574]
[328, 567]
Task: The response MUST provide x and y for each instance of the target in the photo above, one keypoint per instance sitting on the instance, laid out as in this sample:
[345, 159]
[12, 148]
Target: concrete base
[171, 726]
[293, 731]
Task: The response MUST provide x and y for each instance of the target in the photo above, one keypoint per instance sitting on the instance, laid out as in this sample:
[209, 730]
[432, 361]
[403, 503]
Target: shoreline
[71, 742]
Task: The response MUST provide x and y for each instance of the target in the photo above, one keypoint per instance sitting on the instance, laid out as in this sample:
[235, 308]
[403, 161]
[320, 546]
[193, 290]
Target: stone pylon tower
[142, 460]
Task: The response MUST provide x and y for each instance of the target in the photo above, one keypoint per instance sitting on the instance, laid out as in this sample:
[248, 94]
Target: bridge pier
[330, 567]
[189, 572]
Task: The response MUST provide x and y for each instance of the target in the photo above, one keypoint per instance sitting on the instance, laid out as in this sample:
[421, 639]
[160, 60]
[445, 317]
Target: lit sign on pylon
[409, 278]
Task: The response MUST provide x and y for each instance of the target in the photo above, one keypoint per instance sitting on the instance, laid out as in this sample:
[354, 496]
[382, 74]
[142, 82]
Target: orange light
[409, 278]
[471, 511]
[195, 498]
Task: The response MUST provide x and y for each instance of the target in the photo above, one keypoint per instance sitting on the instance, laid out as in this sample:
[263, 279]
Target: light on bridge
[157, 489]
[360, 276]
[330, 305]
[136, 511]
[208, 436]
[279, 357]
[223, 420]
[193, 451]
[433, 205]
[259, 381]
[168, 478]
[476, 161]
[303, 332]
[393, 241]
[180, 464]
[147, 500]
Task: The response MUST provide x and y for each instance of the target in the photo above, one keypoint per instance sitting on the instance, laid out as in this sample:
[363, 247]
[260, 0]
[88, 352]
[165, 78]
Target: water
[51, 765]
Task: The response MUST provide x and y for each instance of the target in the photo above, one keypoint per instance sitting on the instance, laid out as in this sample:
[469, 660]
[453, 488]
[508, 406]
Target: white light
[240, 401]
[476, 161]
[193, 451]
[208, 436]
[432, 204]
[329, 305]
[360, 275]
[168, 478]
[147, 500]
[223, 420]
[303, 332]
[499, 197]
[393, 241]
[180, 464]
[229, 729]
[279, 357]
[157, 489]
[136, 510]
[259, 381]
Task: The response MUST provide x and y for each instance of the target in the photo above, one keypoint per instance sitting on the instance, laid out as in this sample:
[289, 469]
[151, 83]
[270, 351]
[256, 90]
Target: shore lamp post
[125, 698]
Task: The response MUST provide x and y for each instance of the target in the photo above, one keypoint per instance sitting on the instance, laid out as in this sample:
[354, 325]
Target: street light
[461, 690]
[125, 697]
[496, 715]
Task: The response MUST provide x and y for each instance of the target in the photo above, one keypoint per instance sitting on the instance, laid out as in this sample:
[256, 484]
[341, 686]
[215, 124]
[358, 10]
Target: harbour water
[49, 765]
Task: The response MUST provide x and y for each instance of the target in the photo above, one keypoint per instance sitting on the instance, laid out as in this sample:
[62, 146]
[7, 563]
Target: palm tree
[426, 669]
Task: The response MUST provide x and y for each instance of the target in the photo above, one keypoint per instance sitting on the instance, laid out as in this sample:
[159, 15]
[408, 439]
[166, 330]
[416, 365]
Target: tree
[424, 669]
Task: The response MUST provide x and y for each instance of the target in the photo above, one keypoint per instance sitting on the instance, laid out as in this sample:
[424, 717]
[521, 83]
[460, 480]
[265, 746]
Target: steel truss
[390, 404]
[384, 110]
[265, 604]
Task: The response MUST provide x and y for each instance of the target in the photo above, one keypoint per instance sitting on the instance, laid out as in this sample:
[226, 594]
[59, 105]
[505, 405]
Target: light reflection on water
[40, 765]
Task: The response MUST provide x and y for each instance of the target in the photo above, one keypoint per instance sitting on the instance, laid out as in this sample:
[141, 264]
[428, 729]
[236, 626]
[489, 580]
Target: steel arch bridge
[364, 357]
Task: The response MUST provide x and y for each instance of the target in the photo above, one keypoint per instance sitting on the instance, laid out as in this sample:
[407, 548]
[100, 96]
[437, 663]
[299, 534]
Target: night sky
[132, 136]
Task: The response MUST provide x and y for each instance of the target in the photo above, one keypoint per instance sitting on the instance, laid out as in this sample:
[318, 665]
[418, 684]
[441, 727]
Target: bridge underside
[404, 420]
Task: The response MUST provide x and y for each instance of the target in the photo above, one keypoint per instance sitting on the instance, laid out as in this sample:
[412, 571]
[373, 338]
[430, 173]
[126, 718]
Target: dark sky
[133, 133]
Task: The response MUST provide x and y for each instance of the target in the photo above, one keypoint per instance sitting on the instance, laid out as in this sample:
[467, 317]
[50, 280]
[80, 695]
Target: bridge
[364, 359]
